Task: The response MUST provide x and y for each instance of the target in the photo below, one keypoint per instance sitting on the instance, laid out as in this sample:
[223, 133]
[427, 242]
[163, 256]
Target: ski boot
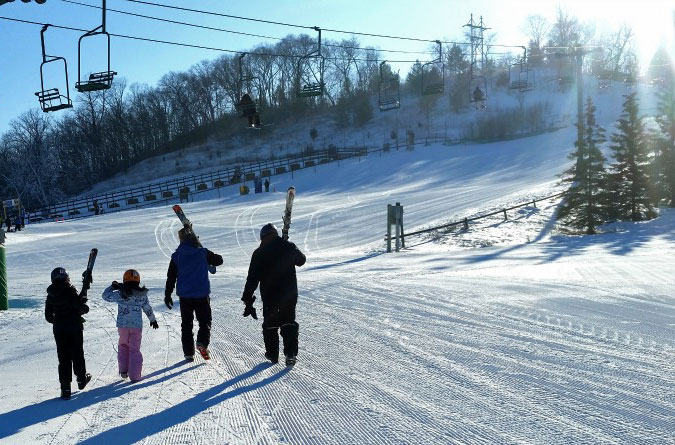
[204, 352]
[124, 375]
[82, 383]
[290, 360]
[189, 358]
[65, 393]
[272, 357]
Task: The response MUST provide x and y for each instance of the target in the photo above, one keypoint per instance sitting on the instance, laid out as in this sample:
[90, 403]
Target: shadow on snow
[14, 421]
[144, 427]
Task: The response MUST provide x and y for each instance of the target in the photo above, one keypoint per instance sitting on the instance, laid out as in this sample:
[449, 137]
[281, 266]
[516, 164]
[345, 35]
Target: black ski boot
[82, 383]
[65, 393]
[290, 360]
[272, 357]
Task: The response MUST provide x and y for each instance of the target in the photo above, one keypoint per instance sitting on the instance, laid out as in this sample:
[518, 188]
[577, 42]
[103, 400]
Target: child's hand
[115, 285]
[154, 325]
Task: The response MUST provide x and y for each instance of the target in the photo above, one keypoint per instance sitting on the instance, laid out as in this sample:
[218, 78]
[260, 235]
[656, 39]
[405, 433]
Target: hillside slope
[556, 340]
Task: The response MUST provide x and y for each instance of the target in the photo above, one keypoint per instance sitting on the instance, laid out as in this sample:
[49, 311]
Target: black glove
[168, 301]
[154, 324]
[250, 310]
[115, 285]
[87, 278]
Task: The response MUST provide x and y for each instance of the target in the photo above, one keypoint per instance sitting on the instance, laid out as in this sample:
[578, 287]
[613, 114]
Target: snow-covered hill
[555, 340]
[292, 136]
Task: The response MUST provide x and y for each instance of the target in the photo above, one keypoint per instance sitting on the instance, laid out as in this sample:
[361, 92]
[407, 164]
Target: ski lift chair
[389, 92]
[433, 82]
[478, 83]
[311, 88]
[52, 99]
[248, 106]
[521, 78]
[96, 81]
[604, 80]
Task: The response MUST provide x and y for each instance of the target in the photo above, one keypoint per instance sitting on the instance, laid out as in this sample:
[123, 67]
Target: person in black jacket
[273, 266]
[188, 273]
[64, 309]
[248, 109]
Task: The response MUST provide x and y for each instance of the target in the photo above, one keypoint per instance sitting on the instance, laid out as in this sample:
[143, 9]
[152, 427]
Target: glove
[154, 324]
[115, 285]
[250, 310]
[87, 278]
[168, 301]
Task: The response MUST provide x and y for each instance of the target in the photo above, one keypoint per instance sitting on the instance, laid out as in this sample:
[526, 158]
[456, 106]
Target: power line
[211, 28]
[189, 45]
[198, 11]
[220, 14]
[358, 33]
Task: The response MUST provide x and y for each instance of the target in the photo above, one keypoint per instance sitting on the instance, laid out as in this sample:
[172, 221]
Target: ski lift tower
[478, 58]
[577, 53]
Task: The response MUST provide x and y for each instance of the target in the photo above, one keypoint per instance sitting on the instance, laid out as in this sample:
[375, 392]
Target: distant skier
[248, 109]
[478, 96]
[131, 299]
[267, 185]
[17, 223]
[273, 266]
[188, 273]
[64, 309]
[8, 222]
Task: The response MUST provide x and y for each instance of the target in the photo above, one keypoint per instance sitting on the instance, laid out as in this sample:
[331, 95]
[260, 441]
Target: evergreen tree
[664, 143]
[628, 196]
[582, 208]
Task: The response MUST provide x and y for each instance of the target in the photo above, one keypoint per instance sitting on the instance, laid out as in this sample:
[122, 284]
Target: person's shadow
[141, 428]
[14, 421]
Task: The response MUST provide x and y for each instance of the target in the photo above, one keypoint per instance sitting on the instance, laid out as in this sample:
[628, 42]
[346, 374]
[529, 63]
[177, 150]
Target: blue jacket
[189, 268]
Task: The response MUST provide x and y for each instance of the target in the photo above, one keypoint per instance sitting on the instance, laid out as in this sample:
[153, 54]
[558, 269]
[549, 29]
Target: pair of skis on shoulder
[187, 224]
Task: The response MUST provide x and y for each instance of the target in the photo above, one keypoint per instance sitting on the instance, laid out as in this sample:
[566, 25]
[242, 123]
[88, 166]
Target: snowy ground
[532, 338]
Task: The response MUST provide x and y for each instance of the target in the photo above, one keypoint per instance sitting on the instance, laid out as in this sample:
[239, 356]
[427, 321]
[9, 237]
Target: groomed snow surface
[506, 334]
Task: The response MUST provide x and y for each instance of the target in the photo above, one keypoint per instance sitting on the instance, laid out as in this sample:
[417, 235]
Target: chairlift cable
[212, 28]
[190, 45]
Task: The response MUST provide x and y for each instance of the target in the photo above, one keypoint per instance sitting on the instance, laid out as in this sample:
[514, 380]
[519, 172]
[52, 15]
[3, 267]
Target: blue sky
[145, 62]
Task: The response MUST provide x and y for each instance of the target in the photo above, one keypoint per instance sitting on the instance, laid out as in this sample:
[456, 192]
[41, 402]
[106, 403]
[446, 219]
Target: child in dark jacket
[64, 309]
[131, 299]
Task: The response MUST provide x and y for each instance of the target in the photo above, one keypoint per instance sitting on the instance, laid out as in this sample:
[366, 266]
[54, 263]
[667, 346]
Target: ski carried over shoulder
[290, 196]
[187, 225]
[86, 275]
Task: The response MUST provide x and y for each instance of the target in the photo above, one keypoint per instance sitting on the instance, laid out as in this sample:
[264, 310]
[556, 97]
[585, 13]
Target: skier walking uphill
[273, 266]
[188, 273]
[64, 309]
[131, 298]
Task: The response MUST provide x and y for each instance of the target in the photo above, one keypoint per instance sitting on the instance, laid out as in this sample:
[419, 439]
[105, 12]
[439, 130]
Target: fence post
[388, 228]
[466, 224]
[534, 203]
[505, 217]
[4, 298]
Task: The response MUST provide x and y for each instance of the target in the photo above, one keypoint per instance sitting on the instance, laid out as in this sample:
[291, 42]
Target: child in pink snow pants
[131, 299]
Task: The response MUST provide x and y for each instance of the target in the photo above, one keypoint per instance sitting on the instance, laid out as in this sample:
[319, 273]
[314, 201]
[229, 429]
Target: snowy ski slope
[559, 340]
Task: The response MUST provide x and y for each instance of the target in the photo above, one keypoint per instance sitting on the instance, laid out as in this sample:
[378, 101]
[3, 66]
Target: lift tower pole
[578, 53]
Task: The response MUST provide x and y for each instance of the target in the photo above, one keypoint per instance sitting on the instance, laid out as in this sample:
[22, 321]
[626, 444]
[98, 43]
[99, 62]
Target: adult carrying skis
[273, 267]
[188, 274]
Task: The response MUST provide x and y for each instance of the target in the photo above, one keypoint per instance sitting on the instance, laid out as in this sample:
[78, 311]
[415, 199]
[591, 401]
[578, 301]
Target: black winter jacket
[64, 306]
[273, 266]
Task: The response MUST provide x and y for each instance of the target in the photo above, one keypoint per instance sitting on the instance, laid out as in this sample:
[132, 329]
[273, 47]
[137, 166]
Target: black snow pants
[70, 350]
[280, 319]
[201, 307]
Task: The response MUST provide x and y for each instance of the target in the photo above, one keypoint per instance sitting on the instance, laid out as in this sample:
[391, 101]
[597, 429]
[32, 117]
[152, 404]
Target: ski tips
[176, 207]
